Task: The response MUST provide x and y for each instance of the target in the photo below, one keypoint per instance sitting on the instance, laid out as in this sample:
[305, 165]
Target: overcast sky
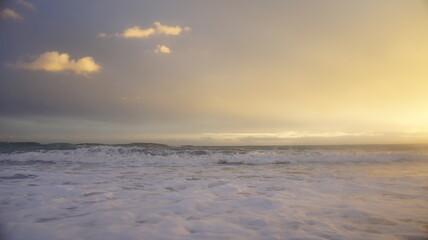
[214, 72]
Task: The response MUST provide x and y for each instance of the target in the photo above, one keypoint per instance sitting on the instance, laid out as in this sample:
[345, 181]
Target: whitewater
[154, 191]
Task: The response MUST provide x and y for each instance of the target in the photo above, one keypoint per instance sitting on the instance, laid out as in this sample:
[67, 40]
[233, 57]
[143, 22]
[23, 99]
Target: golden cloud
[169, 30]
[158, 29]
[59, 62]
[162, 49]
[137, 32]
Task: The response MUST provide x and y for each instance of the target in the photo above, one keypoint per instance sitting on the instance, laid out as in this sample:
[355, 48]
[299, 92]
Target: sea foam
[142, 191]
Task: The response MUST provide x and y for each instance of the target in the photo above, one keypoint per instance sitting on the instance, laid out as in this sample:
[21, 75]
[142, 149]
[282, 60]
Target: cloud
[9, 13]
[60, 62]
[138, 32]
[169, 30]
[27, 4]
[162, 49]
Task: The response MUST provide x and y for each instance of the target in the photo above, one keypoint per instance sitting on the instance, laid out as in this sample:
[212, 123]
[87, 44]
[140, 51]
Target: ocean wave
[163, 155]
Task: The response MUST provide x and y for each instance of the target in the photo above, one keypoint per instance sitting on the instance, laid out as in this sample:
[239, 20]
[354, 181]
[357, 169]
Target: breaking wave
[151, 154]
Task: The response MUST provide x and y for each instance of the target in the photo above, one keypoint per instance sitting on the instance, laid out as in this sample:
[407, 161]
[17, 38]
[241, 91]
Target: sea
[154, 191]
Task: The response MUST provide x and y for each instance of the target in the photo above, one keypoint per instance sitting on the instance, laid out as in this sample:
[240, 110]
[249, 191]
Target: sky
[218, 72]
